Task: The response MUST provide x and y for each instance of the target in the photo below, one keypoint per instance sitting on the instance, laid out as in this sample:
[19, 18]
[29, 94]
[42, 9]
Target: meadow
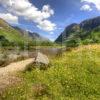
[74, 75]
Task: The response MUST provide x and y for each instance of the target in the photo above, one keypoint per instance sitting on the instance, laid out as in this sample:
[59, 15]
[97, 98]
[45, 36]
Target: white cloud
[47, 11]
[9, 18]
[46, 25]
[86, 7]
[96, 3]
[27, 10]
[51, 33]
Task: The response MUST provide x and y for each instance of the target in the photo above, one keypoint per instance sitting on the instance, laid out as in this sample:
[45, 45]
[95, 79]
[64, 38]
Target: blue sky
[47, 17]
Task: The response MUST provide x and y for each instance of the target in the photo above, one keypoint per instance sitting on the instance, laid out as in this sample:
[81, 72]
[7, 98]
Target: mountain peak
[90, 24]
[82, 30]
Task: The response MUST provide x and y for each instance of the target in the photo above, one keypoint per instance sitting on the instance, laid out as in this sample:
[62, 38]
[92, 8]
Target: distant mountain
[17, 35]
[88, 30]
[32, 35]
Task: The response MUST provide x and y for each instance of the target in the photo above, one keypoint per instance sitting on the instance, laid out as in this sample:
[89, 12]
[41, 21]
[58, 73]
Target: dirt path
[8, 77]
[15, 67]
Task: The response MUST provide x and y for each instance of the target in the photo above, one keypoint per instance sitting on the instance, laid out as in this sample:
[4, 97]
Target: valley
[68, 75]
[34, 68]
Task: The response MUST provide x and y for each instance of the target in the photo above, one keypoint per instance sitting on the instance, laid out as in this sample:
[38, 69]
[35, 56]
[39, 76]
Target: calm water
[51, 51]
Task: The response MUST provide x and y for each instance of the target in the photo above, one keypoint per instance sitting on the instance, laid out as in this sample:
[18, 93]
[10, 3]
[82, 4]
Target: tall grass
[73, 76]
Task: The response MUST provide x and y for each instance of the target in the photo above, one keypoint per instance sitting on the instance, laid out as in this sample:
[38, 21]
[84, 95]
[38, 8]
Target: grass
[13, 36]
[73, 76]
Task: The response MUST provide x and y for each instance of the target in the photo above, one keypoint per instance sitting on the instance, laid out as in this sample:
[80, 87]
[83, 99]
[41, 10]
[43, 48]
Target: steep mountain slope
[10, 33]
[16, 35]
[67, 32]
[90, 24]
[88, 30]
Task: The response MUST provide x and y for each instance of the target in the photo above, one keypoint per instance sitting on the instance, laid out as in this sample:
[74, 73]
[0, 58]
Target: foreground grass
[74, 76]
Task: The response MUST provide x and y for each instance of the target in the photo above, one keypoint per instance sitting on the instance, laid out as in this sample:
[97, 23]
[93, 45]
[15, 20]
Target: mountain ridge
[82, 31]
[32, 35]
[17, 35]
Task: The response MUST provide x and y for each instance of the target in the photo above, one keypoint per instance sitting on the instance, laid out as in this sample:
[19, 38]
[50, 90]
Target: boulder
[41, 61]
[41, 58]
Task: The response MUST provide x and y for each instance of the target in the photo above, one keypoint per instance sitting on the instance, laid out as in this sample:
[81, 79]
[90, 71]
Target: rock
[41, 58]
[1, 27]
[13, 56]
[41, 62]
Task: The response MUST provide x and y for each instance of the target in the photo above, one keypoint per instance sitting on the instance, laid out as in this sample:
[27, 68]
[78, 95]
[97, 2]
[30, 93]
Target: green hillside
[87, 32]
[16, 36]
[83, 37]
[11, 34]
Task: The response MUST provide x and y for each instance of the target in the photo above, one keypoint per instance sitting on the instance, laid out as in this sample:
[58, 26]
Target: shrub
[35, 65]
[72, 43]
[87, 41]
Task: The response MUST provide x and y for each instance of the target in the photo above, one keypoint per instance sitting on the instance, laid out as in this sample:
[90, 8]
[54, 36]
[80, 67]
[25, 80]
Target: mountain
[87, 31]
[32, 35]
[16, 35]
[90, 24]
[11, 34]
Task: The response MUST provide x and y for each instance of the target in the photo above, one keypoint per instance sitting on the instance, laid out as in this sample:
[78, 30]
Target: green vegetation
[11, 36]
[41, 43]
[73, 76]
[83, 38]
[14, 37]
[87, 32]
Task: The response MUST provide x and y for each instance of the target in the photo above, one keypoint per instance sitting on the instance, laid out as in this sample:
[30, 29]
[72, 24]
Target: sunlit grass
[73, 76]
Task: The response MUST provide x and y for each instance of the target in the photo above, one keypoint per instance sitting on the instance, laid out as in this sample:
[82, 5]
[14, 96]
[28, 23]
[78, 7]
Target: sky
[47, 17]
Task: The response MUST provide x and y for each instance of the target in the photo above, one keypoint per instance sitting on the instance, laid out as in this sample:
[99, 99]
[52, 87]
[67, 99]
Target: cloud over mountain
[86, 7]
[9, 18]
[27, 10]
[89, 4]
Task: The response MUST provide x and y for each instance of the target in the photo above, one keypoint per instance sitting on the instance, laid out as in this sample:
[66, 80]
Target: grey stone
[41, 58]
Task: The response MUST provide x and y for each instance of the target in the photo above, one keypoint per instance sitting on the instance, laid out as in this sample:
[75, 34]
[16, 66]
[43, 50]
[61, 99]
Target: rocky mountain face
[85, 30]
[90, 24]
[32, 35]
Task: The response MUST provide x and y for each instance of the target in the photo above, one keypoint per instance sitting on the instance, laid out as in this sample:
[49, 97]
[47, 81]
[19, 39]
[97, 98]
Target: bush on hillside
[4, 41]
[73, 43]
[87, 41]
